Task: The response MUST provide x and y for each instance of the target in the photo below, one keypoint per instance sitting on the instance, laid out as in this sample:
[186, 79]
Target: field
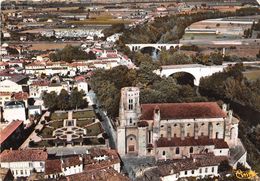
[50, 46]
[59, 116]
[83, 114]
[100, 20]
[252, 74]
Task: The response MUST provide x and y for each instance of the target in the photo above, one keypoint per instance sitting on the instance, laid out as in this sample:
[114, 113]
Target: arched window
[191, 149]
[216, 135]
[206, 150]
[163, 153]
[175, 125]
[177, 151]
[130, 120]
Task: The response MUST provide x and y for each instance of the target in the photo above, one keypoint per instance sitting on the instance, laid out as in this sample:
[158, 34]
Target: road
[108, 127]
[221, 42]
[33, 136]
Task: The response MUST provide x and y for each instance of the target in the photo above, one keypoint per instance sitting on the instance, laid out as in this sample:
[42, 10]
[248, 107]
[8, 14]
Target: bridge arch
[195, 74]
[184, 77]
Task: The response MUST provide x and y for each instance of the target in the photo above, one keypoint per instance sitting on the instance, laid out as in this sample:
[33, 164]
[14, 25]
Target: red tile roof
[41, 83]
[166, 167]
[191, 141]
[52, 166]
[183, 110]
[6, 132]
[23, 155]
[20, 96]
[108, 174]
[71, 161]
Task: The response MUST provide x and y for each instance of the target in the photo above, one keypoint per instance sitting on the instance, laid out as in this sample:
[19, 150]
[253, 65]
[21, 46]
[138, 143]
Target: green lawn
[56, 124]
[94, 129]
[92, 141]
[83, 114]
[47, 132]
[84, 122]
[57, 116]
[252, 74]
[43, 143]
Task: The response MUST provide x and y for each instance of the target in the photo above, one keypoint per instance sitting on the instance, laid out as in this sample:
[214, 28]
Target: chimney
[156, 114]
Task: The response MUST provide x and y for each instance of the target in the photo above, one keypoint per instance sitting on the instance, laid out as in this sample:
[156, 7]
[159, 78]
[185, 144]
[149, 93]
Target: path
[33, 136]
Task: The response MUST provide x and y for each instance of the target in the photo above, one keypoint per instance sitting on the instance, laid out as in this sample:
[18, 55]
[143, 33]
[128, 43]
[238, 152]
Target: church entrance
[131, 148]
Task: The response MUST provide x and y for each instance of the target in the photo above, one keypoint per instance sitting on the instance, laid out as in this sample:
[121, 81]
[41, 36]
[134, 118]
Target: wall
[72, 170]
[22, 169]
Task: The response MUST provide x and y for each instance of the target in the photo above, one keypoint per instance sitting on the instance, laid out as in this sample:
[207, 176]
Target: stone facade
[173, 130]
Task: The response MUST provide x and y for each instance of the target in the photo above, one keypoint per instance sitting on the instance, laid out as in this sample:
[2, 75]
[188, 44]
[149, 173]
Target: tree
[224, 166]
[77, 99]
[216, 58]
[70, 53]
[12, 51]
[50, 100]
[63, 100]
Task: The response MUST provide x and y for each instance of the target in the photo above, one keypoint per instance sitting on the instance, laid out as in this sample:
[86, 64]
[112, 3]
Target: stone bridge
[137, 47]
[196, 70]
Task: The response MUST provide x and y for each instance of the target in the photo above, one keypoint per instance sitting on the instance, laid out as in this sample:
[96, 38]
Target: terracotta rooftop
[23, 155]
[7, 131]
[91, 164]
[52, 166]
[183, 110]
[191, 141]
[108, 174]
[71, 161]
[166, 167]
[20, 96]
[40, 83]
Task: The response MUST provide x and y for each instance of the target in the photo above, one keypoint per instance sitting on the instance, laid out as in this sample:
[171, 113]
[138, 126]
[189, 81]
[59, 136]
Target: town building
[23, 162]
[26, 163]
[176, 130]
[11, 134]
[14, 110]
[198, 166]
[10, 86]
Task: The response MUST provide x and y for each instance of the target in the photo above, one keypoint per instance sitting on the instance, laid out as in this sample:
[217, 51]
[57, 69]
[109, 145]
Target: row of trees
[232, 85]
[171, 28]
[154, 89]
[175, 57]
[65, 101]
[70, 53]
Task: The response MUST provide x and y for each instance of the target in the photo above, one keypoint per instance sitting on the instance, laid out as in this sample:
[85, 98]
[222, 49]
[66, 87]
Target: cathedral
[175, 130]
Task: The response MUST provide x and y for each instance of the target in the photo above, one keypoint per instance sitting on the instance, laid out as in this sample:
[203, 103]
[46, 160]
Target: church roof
[182, 110]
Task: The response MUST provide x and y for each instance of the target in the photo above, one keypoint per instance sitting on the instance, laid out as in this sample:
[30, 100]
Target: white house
[14, 110]
[10, 86]
[199, 166]
[72, 165]
[23, 162]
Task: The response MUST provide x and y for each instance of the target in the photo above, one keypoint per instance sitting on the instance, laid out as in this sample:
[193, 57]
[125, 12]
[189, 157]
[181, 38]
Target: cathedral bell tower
[129, 112]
